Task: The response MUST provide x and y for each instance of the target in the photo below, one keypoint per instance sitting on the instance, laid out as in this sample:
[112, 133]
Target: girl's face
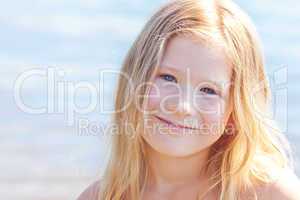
[189, 101]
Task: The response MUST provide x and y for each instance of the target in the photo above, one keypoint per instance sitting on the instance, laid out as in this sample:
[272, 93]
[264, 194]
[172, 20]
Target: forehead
[183, 53]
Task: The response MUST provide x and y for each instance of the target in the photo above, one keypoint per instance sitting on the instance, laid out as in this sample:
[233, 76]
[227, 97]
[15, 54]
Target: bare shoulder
[91, 192]
[286, 187]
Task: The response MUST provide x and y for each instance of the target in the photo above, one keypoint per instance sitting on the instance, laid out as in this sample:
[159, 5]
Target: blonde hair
[257, 145]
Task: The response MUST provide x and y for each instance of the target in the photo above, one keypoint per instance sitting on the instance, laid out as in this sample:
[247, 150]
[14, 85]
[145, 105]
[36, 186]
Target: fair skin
[190, 88]
[180, 104]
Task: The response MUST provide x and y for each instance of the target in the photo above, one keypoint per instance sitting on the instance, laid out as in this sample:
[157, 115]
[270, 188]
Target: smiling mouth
[174, 125]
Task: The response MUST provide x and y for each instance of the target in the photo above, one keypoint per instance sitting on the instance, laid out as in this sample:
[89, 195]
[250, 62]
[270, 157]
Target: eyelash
[207, 90]
[163, 76]
[211, 91]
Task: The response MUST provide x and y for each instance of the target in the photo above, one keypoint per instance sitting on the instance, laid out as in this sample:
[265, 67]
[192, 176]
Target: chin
[178, 145]
[178, 152]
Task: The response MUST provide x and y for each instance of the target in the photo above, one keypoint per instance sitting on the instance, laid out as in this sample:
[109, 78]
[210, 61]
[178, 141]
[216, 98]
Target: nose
[183, 106]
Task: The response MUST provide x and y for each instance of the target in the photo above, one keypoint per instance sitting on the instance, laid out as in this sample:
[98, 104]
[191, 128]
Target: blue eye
[168, 77]
[208, 90]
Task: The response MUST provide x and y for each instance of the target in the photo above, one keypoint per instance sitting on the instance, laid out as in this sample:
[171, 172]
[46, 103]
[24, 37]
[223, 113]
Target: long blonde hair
[248, 155]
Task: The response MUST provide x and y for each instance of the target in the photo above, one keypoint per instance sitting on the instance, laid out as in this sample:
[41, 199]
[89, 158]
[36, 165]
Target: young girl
[192, 111]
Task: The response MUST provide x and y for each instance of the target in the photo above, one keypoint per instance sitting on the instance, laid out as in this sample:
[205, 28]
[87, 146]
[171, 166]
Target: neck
[170, 170]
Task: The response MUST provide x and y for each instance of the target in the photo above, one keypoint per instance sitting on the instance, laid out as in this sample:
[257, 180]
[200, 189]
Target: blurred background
[51, 146]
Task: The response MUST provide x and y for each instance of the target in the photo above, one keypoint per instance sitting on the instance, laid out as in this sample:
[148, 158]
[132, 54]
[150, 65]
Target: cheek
[160, 92]
[214, 113]
[153, 99]
[210, 105]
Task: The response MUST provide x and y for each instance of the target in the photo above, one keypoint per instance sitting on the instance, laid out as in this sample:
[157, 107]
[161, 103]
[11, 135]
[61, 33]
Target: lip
[173, 124]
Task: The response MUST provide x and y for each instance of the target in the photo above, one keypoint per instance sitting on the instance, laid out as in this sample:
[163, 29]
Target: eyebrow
[171, 68]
